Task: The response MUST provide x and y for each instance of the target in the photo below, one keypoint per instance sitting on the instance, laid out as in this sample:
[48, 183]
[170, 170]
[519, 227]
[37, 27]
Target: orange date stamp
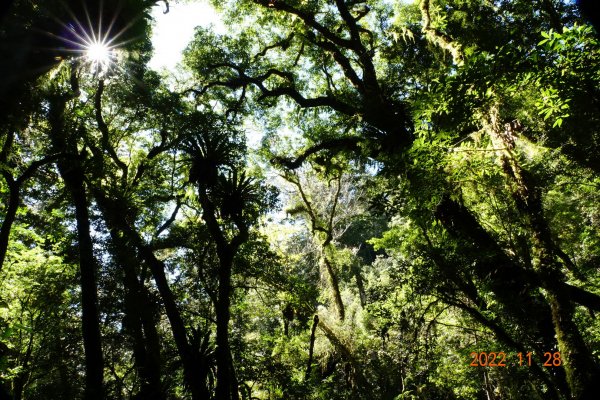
[502, 359]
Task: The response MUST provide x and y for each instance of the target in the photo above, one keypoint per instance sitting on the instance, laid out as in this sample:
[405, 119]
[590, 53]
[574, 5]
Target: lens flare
[94, 39]
[98, 52]
[99, 55]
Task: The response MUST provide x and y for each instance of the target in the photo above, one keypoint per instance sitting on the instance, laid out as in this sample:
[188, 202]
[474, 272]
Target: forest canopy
[329, 199]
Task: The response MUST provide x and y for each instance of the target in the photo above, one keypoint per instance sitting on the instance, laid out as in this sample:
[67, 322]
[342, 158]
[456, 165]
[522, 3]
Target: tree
[423, 204]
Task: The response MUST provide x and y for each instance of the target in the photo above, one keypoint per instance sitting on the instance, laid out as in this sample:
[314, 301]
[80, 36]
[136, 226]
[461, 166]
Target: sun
[97, 43]
[98, 53]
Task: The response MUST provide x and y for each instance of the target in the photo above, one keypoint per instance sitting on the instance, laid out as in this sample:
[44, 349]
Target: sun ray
[112, 23]
[93, 43]
[86, 37]
[123, 30]
[89, 20]
[93, 38]
[100, 8]
[66, 40]
[98, 52]
[82, 37]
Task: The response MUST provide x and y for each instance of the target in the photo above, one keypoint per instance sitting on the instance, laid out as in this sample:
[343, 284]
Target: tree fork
[194, 374]
[226, 380]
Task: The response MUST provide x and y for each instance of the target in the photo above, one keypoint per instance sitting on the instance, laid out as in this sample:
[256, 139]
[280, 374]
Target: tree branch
[283, 44]
[439, 38]
[309, 19]
[33, 167]
[337, 145]
[105, 132]
[171, 218]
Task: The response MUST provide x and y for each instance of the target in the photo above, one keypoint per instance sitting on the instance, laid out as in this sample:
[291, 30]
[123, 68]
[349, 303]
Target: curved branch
[14, 199]
[348, 19]
[343, 62]
[284, 44]
[105, 132]
[321, 101]
[171, 218]
[309, 19]
[34, 166]
[350, 144]
[439, 38]
[243, 80]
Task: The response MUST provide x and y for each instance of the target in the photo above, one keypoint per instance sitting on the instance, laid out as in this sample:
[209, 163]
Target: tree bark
[194, 368]
[227, 387]
[146, 349]
[223, 352]
[9, 218]
[311, 347]
[335, 287]
[72, 174]
[89, 297]
[581, 369]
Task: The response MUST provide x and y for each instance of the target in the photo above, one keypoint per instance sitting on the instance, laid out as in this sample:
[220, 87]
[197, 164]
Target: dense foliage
[420, 219]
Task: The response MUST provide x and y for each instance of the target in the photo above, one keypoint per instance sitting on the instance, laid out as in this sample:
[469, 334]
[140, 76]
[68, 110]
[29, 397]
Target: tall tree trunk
[227, 388]
[9, 218]
[556, 383]
[225, 373]
[89, 297]
[152, 340]
[581, 369]
[311, 347]
[194, 369]
[72, 174]
[145, 351]
[514, 287]
[12, 206]
[335, 288]
[191, 366]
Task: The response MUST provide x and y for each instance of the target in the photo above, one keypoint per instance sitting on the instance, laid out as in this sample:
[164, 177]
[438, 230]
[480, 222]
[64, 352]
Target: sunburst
[96, 43]
[95, 47]
[98, 54]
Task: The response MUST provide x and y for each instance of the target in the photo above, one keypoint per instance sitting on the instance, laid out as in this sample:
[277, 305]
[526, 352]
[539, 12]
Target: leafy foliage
[426, 189]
